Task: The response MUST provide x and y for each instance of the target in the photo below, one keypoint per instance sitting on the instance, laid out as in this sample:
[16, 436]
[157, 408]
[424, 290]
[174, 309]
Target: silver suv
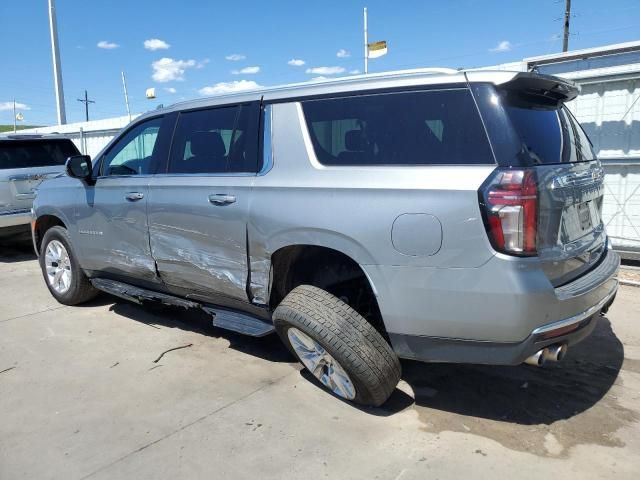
[25, 161]
[442, 217]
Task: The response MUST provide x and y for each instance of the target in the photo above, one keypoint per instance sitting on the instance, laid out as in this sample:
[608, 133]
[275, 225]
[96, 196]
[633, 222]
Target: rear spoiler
[542, 88]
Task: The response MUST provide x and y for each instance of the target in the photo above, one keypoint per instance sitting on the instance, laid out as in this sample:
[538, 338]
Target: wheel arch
[43, 223]
[328, 268]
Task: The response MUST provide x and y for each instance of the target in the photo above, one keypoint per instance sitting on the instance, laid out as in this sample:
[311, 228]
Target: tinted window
[410, 128]
[216, 140]
[133, 154]
[35, 153]
[549, 134]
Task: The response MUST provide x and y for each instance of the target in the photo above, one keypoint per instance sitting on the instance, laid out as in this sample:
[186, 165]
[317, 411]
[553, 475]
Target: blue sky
[204, 46]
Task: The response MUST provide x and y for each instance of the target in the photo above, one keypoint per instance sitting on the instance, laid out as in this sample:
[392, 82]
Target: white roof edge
[602, 50]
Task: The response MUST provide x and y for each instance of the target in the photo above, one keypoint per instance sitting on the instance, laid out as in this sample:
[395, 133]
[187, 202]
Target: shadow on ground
[12, 251]
[521, 395]
[524, 395]
[268, 348]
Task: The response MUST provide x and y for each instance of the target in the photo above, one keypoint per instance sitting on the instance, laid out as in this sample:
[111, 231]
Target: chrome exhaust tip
[555, 353]
[538, 359]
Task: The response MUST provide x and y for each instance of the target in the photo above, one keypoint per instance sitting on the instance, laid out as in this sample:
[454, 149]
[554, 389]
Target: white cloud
[296, 62]
[167, 69]
[325, 70]
[156, 44]
[235, 57]
[246, 70]
[503, 46]
[107, 45]
[202, 63]
[342, 53]
[229, 87]
[318, 79]
[170, 90]
[354, 71]
[8, 106]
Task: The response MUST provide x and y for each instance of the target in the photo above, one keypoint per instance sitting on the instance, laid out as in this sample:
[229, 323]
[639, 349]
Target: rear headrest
[207, 144]
[353, 140]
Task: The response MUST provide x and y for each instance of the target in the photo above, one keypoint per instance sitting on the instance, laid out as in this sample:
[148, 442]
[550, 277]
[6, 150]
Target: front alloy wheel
[58, 267]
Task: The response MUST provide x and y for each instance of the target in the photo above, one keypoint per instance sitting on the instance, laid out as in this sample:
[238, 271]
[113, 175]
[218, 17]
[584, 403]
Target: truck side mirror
[79, 166]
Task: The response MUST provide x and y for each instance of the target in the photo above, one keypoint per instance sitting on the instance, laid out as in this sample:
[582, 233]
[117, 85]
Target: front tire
[337, 345]
[62, 274]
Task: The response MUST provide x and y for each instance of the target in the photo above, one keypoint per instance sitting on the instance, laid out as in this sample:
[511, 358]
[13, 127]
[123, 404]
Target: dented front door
[111, 216]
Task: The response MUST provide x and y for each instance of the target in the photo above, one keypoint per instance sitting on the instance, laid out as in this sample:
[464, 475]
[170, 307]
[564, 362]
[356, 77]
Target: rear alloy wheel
[337, 346]
[321, 364]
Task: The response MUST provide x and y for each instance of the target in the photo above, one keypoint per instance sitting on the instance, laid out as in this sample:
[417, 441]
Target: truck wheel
[337, 345]
[62, 274]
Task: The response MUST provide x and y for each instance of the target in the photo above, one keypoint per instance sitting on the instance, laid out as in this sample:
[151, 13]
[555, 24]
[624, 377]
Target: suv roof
[32, 137]
[375, 81]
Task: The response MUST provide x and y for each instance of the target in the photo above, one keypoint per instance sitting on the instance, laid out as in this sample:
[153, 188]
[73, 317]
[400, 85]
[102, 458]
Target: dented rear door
[198, 209]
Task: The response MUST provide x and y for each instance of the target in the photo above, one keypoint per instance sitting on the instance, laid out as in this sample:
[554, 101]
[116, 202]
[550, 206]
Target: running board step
[138, 295]
[222, 318]
[239, 322]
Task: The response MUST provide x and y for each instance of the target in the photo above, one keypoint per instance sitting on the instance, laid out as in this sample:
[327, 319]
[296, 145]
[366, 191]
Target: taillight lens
[510, 202]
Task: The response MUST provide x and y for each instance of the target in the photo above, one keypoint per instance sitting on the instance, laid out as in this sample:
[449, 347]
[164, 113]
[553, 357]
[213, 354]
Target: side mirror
[79, 166]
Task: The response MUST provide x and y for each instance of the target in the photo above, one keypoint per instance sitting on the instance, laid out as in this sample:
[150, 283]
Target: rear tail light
[510, 202]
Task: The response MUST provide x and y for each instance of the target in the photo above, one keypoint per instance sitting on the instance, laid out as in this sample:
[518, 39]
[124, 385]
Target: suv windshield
[548, 134]
[35, 153]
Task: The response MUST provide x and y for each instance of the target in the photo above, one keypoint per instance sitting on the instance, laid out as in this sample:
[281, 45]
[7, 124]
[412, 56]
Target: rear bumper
[565, 331]
[15, 218]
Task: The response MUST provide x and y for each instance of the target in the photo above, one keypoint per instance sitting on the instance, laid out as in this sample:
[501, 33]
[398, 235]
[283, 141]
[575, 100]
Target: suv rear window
[548, 134]
[35, 153]
[437, 127]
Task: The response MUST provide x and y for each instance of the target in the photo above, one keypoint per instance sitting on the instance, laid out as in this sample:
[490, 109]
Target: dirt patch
[544, 411]
[628, 274]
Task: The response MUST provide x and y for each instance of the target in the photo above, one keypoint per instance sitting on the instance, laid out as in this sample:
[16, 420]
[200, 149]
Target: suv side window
[134, 153]
[215, 140]
[433, 127]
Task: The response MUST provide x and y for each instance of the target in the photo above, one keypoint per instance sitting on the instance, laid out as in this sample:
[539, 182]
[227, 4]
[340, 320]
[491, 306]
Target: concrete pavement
[81, 397]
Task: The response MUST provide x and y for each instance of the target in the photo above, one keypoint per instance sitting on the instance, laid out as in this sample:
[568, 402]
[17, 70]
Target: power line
[86, 102]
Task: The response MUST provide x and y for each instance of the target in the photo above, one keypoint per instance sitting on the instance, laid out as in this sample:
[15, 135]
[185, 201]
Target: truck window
[439, 127]
[35, 153]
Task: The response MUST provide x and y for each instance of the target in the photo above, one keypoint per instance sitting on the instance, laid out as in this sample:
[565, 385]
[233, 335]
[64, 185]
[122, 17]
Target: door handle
[134, 196]
[222, 199]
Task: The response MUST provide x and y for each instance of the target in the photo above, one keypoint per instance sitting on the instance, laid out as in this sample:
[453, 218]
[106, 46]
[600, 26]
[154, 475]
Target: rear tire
[58, 258]
[350, 344]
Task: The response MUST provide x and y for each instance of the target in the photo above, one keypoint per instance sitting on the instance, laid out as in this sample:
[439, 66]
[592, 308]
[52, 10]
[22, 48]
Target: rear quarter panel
[353, 209]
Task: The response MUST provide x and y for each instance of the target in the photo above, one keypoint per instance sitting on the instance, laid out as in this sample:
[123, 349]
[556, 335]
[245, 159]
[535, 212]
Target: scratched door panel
[113, 229]
[197, 244]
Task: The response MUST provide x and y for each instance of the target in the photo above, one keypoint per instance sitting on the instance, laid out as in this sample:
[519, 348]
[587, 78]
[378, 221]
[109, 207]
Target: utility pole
[15, 119]
[567, 16]
[126, 96]
[57, 69]
[366, 45]
[86, 102]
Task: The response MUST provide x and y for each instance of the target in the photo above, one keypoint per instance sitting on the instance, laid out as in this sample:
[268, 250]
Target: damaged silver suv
[442, 216]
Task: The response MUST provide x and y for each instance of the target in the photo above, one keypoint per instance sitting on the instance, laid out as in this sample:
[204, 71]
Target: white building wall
[90, 137]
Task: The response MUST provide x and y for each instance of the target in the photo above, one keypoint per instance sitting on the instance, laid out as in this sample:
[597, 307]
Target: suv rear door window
[35, 153]
[215, 140]
[438, 127]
